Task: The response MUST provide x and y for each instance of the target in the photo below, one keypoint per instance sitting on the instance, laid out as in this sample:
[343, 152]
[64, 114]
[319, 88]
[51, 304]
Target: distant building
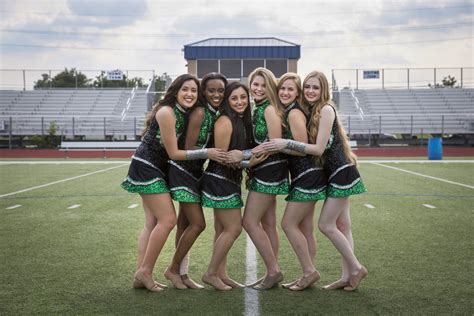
[237, 57]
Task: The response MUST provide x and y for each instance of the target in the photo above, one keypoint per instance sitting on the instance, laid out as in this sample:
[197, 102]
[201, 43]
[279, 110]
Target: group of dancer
[293, 130]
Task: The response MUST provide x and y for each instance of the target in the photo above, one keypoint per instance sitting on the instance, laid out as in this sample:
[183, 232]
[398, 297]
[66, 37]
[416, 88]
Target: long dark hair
[208, 77]
[170, 97]
[238, 124]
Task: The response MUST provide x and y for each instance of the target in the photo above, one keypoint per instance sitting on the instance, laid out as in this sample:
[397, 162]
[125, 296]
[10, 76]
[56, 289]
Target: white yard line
[13, 207]
[428, 205]
[63, 180]
[369, 206]
[74, 206]
[251, 296]
[133, 206]
[425, 176]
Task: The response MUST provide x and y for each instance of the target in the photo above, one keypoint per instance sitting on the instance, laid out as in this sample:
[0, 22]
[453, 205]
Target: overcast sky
[150, 35]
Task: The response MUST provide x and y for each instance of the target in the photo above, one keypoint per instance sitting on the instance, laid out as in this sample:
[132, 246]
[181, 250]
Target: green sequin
[357, 188]
[260, 129]
[297, 195]
[179, 126]
[233, 201]
[277, 189]
[183, 195]
[154, 186]
[207, 126]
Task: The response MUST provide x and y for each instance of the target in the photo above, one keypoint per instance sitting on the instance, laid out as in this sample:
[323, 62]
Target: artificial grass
[81, 261]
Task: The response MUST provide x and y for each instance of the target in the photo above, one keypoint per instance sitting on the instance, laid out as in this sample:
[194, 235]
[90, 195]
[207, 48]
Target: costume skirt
[184, 180]
[221, 187]
[270, 176]
[145, 177]
[308, 181]
[345, 181]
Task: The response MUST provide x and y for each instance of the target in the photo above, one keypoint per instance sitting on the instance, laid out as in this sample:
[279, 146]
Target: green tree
[447, 82]
[162, 82]
[65, 79]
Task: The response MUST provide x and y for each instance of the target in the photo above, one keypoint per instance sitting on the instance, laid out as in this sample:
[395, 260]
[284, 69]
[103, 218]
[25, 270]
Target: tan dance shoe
[147, 281]
[354, 280]
[190, 283]
[339, 284]
[215, 282]
[306, 281]
[269, 282]
[175, 279]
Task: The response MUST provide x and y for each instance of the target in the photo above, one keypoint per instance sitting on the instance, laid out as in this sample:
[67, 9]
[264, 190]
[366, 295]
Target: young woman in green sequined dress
[328, 141]
[221, 183]
[147, 173]
[267, 179]
[185, 176]
[308, 183]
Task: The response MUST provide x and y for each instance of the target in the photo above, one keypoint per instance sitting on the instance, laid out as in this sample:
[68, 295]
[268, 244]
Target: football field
[69, 240]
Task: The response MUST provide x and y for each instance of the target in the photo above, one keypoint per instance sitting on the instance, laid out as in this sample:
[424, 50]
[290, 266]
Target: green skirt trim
[275, 188]
[302, 195]
[231, 201]
[183, 194]
[336, 191]
[154, 186]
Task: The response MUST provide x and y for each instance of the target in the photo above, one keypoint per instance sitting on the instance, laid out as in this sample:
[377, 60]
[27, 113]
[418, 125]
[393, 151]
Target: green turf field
[56, 259]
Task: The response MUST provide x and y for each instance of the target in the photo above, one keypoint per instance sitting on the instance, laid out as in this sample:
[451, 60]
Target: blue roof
[237, 48]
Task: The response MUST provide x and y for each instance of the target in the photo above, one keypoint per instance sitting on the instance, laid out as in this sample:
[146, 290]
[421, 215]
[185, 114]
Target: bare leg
[269, 224]
[183, 223]
[231, 222]
[195, 216]
[255, 208]
[161, 206]
[332, 210]
[295, 213]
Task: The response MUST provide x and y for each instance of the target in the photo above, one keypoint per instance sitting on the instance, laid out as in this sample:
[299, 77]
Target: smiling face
[187, 94]
[288, 92]
[258, 88]
[238, 100]
[214, 92]
[312, 90]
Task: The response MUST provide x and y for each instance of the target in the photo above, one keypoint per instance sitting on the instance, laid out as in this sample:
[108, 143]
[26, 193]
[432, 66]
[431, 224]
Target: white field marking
[428, 205]
[58, 162]
[251, 296]
[61, 181]
[369, 206]
[425, 176]
[13, 207]
[133, 205]
[74, 206]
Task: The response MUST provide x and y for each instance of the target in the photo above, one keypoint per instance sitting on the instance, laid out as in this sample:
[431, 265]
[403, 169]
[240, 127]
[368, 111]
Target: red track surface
[361, 152]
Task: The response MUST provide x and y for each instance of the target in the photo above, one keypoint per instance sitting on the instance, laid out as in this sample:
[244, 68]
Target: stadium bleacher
[77, 112]
[408, 111]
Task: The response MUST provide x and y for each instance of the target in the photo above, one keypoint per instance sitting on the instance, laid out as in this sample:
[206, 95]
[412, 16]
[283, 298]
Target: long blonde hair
[270, 87]
[316, 108]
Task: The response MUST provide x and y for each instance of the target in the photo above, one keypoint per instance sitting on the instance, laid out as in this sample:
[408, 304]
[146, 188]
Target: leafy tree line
[71, 78]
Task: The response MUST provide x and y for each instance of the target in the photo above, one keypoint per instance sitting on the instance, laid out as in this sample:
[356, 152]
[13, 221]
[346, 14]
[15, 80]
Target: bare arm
[167, 121]
[222, 132]
[324, 131]
[297, 122]
[273, 122]
[194, 126]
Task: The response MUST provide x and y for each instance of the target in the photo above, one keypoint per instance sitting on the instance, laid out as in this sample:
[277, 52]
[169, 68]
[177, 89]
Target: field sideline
[69, 236]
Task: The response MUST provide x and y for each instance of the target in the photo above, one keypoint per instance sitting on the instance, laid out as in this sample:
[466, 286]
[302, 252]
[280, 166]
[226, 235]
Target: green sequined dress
[185, 175]
[221, 185]
[271, 175]
[308, 180]
[343, 177]
[149, 166]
